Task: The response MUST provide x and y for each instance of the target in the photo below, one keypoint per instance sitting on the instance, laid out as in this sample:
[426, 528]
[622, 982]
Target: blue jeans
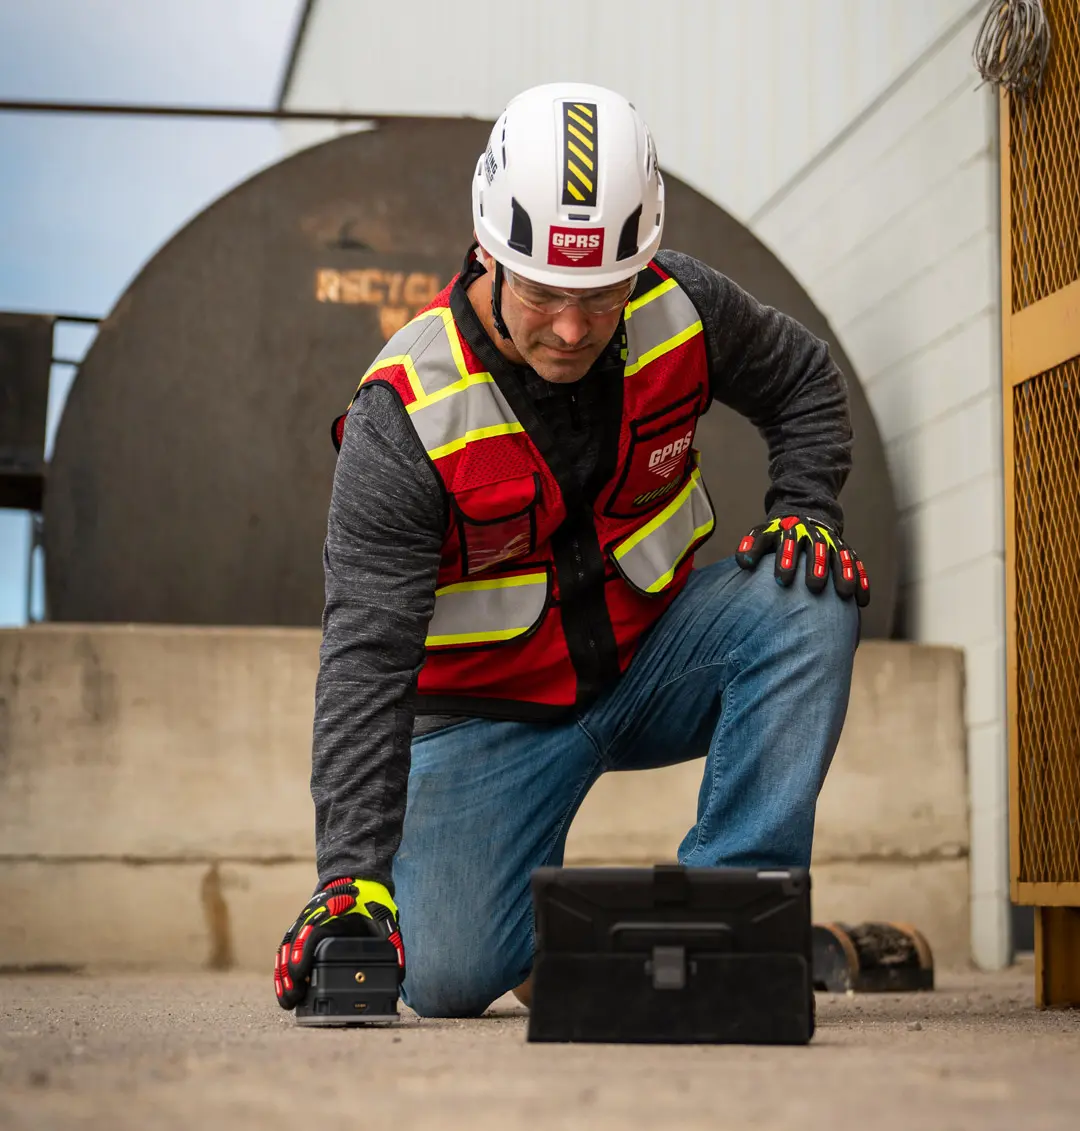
[749, 675]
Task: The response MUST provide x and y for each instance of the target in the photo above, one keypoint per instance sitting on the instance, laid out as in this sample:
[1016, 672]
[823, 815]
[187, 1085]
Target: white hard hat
[567, 193]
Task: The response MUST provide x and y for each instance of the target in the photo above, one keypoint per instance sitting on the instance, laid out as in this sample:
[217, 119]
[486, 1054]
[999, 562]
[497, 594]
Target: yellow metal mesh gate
[1046, 425]
[1041, 354]
[1045, 160]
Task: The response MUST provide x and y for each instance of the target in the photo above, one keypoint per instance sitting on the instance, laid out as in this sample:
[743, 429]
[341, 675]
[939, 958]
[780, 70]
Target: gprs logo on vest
[665, 461]
[573, 247]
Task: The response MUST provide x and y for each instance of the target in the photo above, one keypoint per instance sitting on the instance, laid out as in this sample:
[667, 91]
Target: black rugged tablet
[672, 954]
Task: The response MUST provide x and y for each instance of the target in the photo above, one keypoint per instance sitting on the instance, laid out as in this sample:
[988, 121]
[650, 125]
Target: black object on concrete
[354, 982]
[26, 342]
[192, 468]
[672, 955]
[871, 958]
[1023, 928]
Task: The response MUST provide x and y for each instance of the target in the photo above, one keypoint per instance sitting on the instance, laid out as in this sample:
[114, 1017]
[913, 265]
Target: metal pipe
[294, 54]
[131, 109]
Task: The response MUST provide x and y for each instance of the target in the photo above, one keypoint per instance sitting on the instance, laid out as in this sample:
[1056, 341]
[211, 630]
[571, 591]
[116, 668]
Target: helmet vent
[628, 244]
[521, 233]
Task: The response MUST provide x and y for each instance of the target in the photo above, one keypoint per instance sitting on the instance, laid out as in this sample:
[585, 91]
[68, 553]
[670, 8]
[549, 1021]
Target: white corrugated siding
[894, 233]
[740, 94]
[849, 135]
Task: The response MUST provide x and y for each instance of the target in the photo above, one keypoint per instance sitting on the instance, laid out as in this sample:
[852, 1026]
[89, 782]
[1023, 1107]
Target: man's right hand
[343, 907]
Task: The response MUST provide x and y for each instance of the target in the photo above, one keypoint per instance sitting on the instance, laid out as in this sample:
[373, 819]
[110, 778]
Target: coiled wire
[1013, 45]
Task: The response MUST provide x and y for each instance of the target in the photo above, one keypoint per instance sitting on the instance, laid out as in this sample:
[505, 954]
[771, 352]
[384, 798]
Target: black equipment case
[672, 954]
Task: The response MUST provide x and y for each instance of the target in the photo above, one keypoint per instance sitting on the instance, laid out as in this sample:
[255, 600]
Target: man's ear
[485, 257]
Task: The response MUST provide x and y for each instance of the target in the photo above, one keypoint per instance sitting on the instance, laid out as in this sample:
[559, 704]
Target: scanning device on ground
[354, 982]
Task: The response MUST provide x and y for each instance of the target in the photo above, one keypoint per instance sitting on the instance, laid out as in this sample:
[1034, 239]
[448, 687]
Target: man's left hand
[823, 550]
[344, 907]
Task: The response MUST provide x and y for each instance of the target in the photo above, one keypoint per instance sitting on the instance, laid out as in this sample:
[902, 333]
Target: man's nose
[571, 324]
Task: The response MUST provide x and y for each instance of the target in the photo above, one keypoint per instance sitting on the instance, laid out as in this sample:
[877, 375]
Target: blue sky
[85, 201]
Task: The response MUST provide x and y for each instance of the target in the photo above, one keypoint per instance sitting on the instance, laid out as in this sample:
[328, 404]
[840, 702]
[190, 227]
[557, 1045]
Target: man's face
[560, 344]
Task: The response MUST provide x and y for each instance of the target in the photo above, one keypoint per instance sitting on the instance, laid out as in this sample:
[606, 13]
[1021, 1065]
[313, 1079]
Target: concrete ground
[176, 1051]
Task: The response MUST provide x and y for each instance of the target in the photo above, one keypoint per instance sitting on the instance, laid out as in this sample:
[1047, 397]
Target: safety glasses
[544, 300]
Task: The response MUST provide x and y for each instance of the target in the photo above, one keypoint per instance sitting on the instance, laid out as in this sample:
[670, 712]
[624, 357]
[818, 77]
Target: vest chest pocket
[654, 467]
[649, 558]
[496, 522]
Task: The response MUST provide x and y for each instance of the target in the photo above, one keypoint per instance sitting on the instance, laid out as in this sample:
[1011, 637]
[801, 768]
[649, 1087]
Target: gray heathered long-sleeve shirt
[388, 518]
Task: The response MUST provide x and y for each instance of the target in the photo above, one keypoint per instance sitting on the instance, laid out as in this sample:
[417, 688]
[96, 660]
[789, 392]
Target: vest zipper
[581, 579]
[575, 414]
[590, 637]
[575, 547]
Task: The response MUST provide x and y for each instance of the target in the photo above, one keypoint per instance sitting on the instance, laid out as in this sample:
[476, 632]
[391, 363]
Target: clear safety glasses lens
[545, 301]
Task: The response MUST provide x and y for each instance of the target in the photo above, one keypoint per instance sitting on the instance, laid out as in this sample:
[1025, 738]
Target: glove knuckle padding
[844, 571]
[817, 559]
[815, 581]
[755, 544]
[343, 907]
[785, 574]
[862, 588]
[825, 552]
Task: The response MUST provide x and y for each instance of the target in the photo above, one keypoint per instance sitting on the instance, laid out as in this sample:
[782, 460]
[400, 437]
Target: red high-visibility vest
[542, 596]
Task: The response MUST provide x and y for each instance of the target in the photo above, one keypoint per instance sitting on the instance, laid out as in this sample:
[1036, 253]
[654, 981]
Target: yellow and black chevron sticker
[579, 154]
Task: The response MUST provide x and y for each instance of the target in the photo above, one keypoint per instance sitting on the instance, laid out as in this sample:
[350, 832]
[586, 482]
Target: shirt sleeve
[772, 370]
[381, 560]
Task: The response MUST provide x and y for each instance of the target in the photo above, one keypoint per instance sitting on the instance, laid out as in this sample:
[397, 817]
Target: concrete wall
[158, 778]
[894, 233]
[154, 806]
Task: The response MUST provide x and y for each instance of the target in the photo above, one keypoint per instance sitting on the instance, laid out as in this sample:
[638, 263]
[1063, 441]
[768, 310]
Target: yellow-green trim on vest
[452, 407]
[475, 410]
[649, 557]
[658, 322]
[489, 611]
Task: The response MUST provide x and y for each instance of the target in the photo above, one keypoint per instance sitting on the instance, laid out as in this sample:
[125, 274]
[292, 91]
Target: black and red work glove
[344, 907]
[822, 549]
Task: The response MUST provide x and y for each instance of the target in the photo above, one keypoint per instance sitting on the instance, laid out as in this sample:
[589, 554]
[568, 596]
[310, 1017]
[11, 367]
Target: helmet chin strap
[496, 301]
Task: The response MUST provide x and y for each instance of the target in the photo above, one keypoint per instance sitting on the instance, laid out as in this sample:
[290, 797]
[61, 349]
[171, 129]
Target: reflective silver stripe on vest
[658, 322]
[649, 557]
[444, 420]
[408, 338]
[410, 342]
[473, 408]
[479, 612]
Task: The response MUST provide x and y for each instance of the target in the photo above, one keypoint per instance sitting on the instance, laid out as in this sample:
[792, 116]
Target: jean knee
[447, 986]
[826, 622]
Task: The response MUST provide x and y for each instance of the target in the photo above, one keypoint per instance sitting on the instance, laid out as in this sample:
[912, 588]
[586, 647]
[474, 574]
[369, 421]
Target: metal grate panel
[1044, 156]
[1046, 417]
